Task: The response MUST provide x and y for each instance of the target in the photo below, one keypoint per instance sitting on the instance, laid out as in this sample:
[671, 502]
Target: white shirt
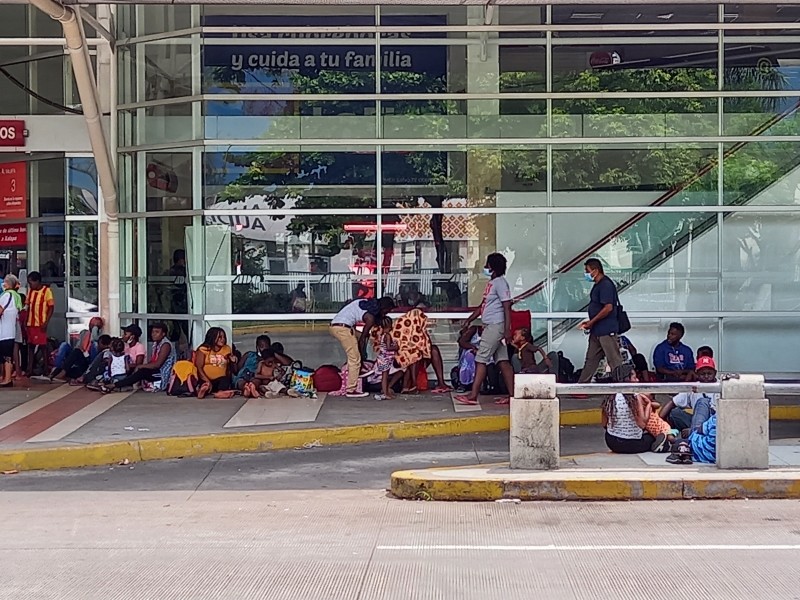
[118, 366]
[689, 399]
[8, 320]
[623, 424]
[350, 314]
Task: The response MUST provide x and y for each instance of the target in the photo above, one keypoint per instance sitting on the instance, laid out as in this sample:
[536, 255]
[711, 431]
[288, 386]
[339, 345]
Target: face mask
[487, 271]
[588, 277]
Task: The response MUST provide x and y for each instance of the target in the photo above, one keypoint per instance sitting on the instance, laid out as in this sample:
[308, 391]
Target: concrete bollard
[743, 424]
[534, 438]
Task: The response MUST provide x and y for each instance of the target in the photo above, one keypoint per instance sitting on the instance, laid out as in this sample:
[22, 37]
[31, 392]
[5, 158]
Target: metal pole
[87, 90]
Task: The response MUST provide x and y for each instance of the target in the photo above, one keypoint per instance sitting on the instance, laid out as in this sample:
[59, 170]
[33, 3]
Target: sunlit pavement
[318, 523]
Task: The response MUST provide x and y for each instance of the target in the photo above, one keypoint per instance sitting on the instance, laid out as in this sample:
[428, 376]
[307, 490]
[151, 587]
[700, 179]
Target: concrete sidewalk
[607, 476]
[52, 426]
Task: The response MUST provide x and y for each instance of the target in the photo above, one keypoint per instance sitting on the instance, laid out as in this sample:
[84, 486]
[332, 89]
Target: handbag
[302, 379]
[623, 320]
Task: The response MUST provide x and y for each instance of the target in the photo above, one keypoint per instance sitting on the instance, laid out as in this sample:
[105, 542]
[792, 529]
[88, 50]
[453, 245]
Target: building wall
[275, 151]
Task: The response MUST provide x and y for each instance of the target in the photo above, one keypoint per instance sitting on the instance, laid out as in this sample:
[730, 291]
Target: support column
[534, 440]
[743, 424]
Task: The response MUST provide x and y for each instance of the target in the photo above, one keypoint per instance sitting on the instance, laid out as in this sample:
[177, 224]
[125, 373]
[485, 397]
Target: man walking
[603, 326]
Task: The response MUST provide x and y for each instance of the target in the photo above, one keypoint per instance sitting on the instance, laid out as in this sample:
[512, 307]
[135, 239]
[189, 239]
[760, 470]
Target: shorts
[492, 346]
[6, 351]
[36, 337]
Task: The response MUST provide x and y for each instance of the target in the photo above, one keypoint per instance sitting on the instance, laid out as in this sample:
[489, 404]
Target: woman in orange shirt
[214, 359]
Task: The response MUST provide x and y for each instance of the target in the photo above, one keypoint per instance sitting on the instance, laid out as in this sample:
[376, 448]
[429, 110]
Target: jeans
[680, 419]
[624, 446]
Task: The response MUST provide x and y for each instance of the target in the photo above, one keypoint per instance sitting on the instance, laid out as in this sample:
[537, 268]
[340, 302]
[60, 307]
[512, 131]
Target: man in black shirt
[602, 325]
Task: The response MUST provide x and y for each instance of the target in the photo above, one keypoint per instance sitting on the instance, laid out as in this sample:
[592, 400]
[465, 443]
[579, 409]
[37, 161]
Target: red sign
[13, 190]
[12, 133]
[13, 237]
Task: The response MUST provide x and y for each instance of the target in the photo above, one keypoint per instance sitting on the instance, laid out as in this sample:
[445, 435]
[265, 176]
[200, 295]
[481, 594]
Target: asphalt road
[318, 524]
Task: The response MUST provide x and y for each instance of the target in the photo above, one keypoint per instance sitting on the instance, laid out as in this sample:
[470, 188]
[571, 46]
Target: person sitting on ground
[527, 351]
[384, 362]
[642, 369]
[625, 418]
[672, 359]
[283, 359]
[134, 349]
[247, 367]
[495, 313]
[566, 370]
[117, 362]
[701, 404]
[94, 372]
[214, 360]
[154, 374]
[74, 362]
[700, 444]
[267, 382]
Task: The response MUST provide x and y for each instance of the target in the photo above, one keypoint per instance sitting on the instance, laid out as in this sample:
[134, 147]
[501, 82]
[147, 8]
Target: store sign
[12, 133]
[13, 190]
[13, 237]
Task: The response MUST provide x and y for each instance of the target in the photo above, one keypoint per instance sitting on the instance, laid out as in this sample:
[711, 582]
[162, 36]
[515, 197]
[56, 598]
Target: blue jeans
[61, 354]
[702, 413]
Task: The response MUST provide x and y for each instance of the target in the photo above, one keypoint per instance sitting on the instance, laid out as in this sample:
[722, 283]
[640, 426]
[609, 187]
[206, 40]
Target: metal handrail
[770, 389]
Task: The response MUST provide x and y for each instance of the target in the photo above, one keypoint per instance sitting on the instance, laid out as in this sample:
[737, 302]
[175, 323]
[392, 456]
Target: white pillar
[743, 424]
[534, 437]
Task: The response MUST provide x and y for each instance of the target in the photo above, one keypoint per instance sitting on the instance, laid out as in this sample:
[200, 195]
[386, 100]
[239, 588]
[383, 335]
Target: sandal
[465, 400]
[441, 389]
[203, 391]
[502, 401]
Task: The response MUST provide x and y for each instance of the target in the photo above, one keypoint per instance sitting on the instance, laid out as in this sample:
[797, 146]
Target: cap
[133, 329]
[705, 362]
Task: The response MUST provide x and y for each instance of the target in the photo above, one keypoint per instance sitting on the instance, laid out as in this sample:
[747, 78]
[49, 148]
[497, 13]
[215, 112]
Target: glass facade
[278, 161]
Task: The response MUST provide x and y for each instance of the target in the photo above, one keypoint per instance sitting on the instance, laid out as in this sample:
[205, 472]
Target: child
[527, 351]
[705, 351]
[387, 347]
[658, 427]
[266, 381]
[96, 369]
[117, 363]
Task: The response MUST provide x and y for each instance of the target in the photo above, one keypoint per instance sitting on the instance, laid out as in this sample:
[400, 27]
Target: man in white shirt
[9, 313]
[702, 405]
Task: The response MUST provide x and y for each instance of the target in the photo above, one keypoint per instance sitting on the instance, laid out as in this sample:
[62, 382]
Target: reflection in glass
[764, 66]
[289, 180]
[168, 179]
[288, 264]
[168, 69]
[82, 186]
[761, 173]
[635, 68]
[83, 265]
[167, 242]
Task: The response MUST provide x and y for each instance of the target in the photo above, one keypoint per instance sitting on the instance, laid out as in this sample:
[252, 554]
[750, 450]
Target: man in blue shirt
[673, 360]
[603, 326]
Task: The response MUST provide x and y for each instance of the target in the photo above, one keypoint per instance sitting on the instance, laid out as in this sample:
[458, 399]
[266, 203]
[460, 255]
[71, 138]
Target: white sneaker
[357, 394]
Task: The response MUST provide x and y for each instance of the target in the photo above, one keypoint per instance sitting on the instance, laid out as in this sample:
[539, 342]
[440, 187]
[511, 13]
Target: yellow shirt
[216, 362]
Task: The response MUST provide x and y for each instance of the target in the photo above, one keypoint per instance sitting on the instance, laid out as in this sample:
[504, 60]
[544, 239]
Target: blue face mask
[487, 271]
[588, 277]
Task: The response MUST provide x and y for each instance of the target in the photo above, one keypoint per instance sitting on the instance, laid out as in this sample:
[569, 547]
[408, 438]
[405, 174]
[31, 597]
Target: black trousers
[623, 446]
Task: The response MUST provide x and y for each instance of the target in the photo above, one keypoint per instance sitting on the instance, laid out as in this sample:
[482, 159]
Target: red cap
[705, 362]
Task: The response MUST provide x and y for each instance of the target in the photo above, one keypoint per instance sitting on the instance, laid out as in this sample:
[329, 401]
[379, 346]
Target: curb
[594, 484]
[103, 453]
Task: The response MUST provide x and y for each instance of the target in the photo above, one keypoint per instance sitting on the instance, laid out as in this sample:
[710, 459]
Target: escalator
[655, 238]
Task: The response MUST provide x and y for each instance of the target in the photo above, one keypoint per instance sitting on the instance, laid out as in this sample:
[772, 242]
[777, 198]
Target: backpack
[327, 379]
[183, 380]
[302, 379]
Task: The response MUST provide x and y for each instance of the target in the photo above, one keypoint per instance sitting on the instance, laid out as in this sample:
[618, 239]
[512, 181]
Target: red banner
[13, 237]
[12, 133]
[13, 190]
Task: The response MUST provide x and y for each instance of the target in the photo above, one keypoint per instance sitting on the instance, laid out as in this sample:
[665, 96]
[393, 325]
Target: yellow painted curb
[416, 485]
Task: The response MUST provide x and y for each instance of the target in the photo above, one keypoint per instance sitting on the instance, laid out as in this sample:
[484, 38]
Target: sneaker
[674, 459]
[357, 394]
[658, 445]
[381, 397]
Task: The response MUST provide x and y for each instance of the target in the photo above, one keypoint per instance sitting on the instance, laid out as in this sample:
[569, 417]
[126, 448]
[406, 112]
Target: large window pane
[280, 179]
[482, 176]
[760, 345]
[169, 181]
[635, 174]
[652, 67]
[167, 239]
[636, 117]
[291, 264]
[83, 267]
[634, 14]
[168, 68]
[760, 256]
[660, 261]
[768, 115]
[766, 66]
[82, 186]
[761, 173]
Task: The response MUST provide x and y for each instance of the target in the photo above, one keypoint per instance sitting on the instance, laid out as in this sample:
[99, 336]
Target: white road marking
[459, 408]
[31, 406]
[77, 420]
[592, 548]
